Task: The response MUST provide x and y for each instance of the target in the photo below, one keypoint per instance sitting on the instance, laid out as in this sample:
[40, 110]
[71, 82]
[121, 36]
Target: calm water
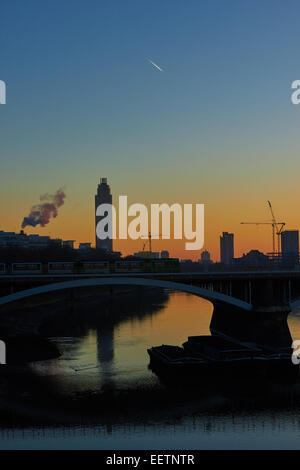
[114, 401]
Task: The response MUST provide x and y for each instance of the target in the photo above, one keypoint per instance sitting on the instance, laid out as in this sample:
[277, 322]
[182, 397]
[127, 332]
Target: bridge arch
[128, 281]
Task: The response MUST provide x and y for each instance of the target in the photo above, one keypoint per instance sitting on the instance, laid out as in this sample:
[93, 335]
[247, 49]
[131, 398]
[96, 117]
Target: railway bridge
[248, 305]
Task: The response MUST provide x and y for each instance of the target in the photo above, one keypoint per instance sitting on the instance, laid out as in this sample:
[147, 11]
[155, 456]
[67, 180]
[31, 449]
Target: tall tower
[226, 248]
[103, 196]
[290, 246]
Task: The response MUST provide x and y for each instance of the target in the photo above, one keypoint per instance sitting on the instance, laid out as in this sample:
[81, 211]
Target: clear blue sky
[84, 102]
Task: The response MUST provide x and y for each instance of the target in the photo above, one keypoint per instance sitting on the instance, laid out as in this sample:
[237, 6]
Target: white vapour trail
[155, 65]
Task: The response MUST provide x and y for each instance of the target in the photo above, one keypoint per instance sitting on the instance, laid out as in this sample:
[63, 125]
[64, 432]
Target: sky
[217, 126]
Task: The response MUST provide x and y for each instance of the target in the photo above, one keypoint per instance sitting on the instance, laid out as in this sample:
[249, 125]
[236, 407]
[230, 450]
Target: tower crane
[277, 227]
[149, 238]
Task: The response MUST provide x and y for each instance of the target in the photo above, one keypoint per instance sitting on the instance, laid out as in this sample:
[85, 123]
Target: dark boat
[174, 358]
[219, 348]
[219, 355]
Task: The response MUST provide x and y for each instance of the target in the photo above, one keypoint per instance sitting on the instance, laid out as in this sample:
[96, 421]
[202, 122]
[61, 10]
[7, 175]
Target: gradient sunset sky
[216, 127]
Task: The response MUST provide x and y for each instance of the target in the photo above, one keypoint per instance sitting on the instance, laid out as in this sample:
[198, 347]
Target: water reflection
[102, 380]
[105, 355]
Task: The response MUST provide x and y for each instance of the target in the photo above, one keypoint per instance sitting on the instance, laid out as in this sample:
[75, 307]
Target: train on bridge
[92, 267]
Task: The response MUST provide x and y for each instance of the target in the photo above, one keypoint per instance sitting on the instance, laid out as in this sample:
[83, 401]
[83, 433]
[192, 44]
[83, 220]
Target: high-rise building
[290, 245]
[227, 248]
[103, 196]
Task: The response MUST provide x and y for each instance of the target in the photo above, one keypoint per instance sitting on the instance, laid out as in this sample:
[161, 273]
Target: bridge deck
[182, 274]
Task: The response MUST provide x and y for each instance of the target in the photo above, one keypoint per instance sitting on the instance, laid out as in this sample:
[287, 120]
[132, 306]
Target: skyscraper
[226, 248]
[290, 245]
[103, 196]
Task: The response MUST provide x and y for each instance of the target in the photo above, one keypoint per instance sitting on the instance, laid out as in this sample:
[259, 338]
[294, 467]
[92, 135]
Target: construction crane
[149, 238]
[277, 227]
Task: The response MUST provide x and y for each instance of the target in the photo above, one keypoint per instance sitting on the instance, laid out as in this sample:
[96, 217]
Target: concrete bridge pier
[266, 324]
[265, 327]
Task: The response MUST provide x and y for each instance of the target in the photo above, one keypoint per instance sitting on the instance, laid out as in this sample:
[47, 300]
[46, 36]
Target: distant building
[57, 242]
[21, 240]
[290, 241]
[290, 245]
[68, 244]
[84, 246]
[227, 248]
[253, 258]
[147, 254]
[165, 254]
[205, 257]
[103, 196]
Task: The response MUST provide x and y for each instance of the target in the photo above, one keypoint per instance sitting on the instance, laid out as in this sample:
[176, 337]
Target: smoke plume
[40, 214]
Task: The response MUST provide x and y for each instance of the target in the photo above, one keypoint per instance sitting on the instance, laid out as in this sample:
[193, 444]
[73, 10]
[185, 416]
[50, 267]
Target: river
[101, 394]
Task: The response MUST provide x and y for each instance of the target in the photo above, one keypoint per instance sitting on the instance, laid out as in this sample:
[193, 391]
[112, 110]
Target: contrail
[155, 65]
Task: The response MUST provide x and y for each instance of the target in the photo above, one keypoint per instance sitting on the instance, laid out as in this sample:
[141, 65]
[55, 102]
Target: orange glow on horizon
[75, 221]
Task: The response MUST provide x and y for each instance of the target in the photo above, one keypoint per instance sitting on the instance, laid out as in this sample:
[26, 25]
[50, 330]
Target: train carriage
[26, 268]
[93, 267]
[128, 266]
[165, 265]
[96, 267]
[59, 267]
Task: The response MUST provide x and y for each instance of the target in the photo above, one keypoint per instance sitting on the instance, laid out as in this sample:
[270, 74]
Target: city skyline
[216, 127]
[226, 240]
[176, 247]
